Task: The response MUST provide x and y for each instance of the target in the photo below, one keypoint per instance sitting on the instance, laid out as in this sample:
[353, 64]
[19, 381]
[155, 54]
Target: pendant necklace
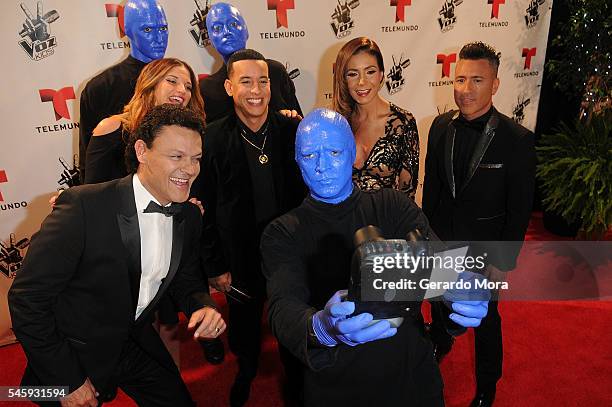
[263, 158]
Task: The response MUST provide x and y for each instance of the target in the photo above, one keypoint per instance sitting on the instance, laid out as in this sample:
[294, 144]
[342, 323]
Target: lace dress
[393, 155]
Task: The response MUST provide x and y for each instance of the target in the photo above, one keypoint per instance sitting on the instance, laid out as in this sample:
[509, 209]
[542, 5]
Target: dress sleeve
[408, 134]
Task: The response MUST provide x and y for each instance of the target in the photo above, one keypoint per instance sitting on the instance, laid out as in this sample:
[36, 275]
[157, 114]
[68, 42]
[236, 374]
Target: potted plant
[575, 171]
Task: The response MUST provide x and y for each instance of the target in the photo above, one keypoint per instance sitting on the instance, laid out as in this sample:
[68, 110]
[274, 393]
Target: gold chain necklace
[263, 158]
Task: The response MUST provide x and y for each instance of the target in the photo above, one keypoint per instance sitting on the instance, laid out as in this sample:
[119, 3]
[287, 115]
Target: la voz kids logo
[115, 11]
[495, 13]
[37, 42]
[527, 54]
[446, 61]
[59, 99]
[395, 78]
[400, 17]
[11, 255]
[533, 13]
[199, 32]
[518, 112]
[281, 7]
[342, 21]
[448, 15]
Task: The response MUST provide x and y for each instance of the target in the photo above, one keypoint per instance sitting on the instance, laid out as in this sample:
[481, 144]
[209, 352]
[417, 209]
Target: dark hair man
[83, 303]
[248, 178]
[479, 180]
[229, 33]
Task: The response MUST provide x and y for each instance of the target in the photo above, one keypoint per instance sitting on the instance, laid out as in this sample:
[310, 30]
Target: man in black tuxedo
[249, 177]
[479, 180]
[84, 301]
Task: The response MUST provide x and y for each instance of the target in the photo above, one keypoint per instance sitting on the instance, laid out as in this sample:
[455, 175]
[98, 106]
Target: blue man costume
[306, 258]
[106, 93]
[228, 33]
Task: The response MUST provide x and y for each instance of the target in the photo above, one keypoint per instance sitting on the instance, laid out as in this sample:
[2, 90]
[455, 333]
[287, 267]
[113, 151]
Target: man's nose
[322, 163]
[191, 168]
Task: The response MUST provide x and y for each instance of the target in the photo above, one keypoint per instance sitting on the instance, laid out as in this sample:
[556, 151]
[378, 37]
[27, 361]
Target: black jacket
[230, 238]
[73, 302]
[494, 204]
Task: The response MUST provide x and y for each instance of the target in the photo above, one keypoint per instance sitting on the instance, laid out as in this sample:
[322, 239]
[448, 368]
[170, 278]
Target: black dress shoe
[483, 398]
[240, 391]
[213, 351]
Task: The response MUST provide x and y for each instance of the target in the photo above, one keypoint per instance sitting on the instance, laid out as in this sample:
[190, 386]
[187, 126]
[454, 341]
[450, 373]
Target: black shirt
[264, 196]
[218, 104]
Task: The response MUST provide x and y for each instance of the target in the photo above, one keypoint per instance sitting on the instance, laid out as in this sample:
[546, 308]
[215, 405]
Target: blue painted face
[227, 29]
[325, 152]
[147, 29]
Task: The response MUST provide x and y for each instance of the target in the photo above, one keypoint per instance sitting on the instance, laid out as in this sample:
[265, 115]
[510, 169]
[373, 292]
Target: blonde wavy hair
[342, 102]
[144, 94]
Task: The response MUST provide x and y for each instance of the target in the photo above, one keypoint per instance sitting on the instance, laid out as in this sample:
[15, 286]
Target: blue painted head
[146, 27]
[325, 152]
[227, 29]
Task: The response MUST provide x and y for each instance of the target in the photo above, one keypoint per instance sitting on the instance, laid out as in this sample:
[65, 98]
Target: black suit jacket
[217, 104]
[74, 301]
[494, 204]
[230, 240]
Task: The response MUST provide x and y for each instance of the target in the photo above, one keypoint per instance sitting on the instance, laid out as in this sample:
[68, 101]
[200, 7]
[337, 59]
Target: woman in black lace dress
[386, 135]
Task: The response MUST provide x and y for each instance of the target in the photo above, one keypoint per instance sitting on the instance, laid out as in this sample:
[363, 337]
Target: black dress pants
[244, 334]
[489, 349]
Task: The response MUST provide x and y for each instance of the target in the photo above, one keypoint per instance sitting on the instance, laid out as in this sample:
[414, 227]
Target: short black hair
[152, 123]
[242, 55]
[480, 50]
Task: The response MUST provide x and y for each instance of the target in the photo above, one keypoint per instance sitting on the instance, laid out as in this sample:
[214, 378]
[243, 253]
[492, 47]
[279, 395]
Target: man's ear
[141, 151]
[228, 87]
[495, 85]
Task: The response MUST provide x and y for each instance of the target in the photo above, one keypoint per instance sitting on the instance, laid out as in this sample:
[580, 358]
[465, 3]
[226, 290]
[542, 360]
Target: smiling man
[479, 180]
[248, 178]
[83, 303]
[229, 33]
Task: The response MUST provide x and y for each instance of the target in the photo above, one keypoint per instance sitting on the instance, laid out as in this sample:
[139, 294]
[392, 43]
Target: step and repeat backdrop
[420, 39]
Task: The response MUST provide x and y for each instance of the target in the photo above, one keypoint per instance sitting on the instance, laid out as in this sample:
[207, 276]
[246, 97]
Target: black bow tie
[171, 210]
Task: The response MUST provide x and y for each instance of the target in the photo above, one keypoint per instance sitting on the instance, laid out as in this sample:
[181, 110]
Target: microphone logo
[37, 42]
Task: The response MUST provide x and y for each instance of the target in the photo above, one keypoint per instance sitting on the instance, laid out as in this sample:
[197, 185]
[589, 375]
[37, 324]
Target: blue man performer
[228, 33]
[106, 93]
[306, 257]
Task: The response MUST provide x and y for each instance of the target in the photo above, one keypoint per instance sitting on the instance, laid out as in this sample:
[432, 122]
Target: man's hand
[53, 198]
[84, 396]
[333, 324]
[211, 324]
[221, 283]
[292, 114]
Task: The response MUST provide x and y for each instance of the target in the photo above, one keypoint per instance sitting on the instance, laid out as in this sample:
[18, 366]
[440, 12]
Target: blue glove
[332, 326]
[469, 305]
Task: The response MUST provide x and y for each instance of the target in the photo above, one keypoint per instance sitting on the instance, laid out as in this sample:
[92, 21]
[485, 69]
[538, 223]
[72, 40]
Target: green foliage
[575, 168]
[583, 52]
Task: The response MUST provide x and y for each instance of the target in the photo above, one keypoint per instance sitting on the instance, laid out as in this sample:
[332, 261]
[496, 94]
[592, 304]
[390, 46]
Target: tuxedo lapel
[127, 219]
[481, 146]
[449, 146]
[178, 235]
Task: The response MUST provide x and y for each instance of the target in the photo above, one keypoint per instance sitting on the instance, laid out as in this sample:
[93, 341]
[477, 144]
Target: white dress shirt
[155, 246]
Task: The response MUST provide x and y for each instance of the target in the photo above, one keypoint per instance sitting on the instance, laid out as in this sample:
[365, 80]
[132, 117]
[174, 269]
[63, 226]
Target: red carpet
[555, 354]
